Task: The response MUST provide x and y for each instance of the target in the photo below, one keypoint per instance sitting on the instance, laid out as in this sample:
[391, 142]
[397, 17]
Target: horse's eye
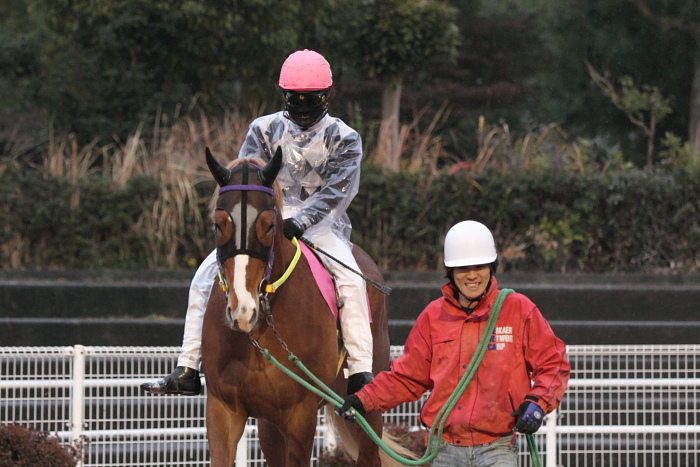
[264, 227]
[218, 231]
[222, 227]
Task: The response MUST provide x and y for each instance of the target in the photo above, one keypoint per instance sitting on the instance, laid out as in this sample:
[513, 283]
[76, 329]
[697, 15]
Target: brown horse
[241, 382]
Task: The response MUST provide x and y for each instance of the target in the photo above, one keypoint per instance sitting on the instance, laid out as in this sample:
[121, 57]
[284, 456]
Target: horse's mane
[258, 162]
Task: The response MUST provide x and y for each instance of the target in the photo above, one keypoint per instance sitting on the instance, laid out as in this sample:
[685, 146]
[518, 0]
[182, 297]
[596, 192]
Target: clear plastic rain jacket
[319, 177]
[438, 350]
[327, 167]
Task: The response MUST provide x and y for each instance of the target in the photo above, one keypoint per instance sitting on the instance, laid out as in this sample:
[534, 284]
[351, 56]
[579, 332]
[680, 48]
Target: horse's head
[245, 220]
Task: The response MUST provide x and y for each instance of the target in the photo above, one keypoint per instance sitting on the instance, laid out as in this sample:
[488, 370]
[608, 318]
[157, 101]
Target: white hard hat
[469, 243]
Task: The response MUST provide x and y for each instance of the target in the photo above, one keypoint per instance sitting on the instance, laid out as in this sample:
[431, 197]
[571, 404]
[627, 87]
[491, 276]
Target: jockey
[319, 177]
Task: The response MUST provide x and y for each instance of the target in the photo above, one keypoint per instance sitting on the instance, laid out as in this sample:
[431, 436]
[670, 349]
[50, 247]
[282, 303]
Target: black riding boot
[182, 380]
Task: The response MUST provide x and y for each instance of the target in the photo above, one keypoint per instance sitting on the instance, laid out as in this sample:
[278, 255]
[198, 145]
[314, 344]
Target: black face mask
[306, 108]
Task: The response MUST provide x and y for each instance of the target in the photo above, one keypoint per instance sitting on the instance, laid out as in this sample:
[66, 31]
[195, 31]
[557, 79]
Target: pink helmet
[305, 70]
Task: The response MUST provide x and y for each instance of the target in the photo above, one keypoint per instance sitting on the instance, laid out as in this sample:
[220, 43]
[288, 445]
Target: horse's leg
[224, 429]
[272, 443]
[297, 435]
[368, 454]
[301, 429]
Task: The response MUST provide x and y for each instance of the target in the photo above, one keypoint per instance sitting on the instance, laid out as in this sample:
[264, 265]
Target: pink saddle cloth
[323, 281]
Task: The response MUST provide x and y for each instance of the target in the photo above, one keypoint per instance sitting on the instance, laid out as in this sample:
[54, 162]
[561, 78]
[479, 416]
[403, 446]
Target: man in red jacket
[522, 376]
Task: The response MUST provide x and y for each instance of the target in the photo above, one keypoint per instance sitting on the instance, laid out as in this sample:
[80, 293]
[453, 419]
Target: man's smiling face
[471, 281]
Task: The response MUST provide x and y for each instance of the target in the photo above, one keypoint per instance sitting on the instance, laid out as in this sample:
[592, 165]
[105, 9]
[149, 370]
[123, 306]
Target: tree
[644, 105]
[105, 66]
[392, 38]
[614, 36]
[683, 16]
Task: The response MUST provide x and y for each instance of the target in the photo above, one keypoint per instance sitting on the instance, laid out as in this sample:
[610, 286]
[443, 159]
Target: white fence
[625, 406]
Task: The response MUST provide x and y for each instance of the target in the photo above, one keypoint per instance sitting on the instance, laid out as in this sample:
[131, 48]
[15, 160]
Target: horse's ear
[270, 171]
[221, 174]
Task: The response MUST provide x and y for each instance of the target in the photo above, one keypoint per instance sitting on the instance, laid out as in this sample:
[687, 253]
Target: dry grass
[171, 154]
[421, 148]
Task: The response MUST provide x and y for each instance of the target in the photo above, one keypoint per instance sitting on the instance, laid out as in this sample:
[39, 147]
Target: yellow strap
[343, 353]
[271, 288]
[222, 282]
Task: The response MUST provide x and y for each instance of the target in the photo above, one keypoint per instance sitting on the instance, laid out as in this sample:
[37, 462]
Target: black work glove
[351, 402]
[528, 417]
[292, 229]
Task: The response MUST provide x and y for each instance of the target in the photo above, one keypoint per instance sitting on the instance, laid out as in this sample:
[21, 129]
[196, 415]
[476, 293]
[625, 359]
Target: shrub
[23, 447]
[552, 206]
[631, 221]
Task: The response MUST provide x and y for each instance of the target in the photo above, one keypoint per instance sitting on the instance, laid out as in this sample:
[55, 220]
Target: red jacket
[438, 350]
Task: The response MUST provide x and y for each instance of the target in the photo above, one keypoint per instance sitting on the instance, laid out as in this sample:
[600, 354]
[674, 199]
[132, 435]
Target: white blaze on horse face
[251, 216]
[245, 311]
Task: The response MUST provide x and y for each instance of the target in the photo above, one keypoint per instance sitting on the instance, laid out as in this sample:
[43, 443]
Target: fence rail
[625, 405]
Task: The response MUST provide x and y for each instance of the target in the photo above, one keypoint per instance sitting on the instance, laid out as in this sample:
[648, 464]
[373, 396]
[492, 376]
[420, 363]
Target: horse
[242, 318]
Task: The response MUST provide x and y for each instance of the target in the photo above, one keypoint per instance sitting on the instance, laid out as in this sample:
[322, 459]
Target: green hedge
[47, 222]
[626, 221]
[629, 221]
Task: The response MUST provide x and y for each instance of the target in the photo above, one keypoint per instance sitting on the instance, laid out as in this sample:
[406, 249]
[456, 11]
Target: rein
[271, 288]
[435, 432]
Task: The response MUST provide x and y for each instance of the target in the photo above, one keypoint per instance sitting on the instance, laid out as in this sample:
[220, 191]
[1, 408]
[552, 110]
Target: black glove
[292, 229]
[351, 402]
[528, 417]
[357, 380]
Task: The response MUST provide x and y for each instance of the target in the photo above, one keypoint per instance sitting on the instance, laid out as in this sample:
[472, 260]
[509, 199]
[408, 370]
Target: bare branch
[667, 22]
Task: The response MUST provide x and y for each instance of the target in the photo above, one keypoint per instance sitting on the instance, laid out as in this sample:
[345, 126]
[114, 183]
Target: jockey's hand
[350, 402]
[292, 229]
[528, 417]
[357, 380]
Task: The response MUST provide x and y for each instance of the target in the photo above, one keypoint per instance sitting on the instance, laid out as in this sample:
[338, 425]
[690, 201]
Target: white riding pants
[354, 315]
[200, 289]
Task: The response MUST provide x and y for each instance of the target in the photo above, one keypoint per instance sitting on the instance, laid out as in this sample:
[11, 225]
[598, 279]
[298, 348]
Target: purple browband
[265, 189]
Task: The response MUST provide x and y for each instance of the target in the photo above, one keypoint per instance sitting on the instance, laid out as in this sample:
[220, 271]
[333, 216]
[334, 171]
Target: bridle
[267, 255]
[227, 250]
[226, 253]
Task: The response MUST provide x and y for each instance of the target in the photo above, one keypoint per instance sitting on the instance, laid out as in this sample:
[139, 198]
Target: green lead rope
[534, 453]
[435, 432]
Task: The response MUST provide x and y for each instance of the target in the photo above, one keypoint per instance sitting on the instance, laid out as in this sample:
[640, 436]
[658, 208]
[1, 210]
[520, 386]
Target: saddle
[324, 280]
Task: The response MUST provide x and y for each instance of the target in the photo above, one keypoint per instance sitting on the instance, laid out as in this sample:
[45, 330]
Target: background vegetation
[552, 206]
[25, 447]
[567, 127]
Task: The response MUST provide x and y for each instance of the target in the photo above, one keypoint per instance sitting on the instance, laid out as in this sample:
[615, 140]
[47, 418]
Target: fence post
[78, 399]
[242, 448]
[551, 439]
